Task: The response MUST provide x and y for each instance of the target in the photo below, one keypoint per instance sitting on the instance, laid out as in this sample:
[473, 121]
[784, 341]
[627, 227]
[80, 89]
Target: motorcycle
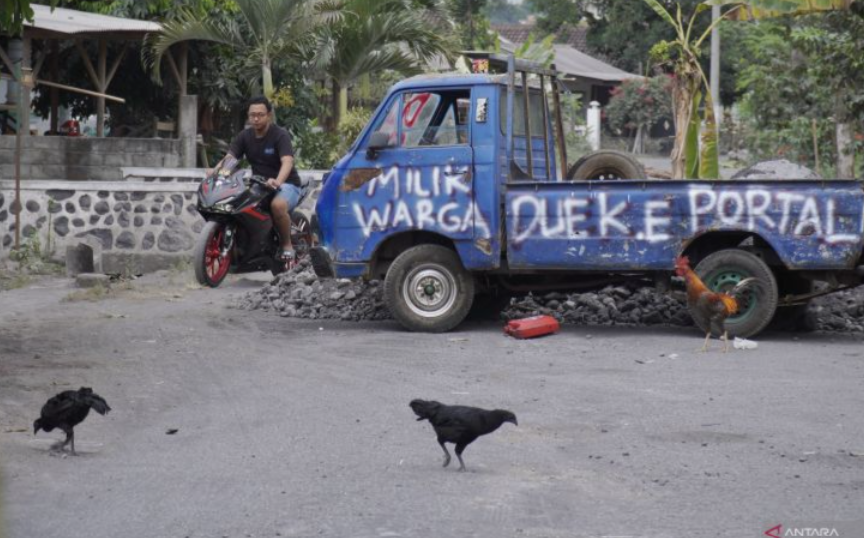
[239, 236]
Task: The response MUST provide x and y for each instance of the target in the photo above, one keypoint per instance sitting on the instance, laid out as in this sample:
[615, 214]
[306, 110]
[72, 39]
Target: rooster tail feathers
[424, 409]
[748, 284]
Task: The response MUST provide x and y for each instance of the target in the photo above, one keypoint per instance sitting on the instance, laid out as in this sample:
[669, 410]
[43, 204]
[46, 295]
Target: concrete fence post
[188, 129]
[594, 125]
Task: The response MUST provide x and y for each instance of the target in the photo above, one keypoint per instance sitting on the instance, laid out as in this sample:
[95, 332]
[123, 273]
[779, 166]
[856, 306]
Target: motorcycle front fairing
[221, 193]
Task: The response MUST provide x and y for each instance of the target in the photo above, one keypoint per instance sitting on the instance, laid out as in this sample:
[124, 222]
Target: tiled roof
[576, 37]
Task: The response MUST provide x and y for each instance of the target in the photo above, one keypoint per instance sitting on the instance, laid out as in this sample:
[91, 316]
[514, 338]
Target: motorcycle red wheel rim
[215, 263]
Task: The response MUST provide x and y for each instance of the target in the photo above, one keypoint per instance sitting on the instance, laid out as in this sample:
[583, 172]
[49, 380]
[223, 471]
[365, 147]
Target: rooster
[708, 308]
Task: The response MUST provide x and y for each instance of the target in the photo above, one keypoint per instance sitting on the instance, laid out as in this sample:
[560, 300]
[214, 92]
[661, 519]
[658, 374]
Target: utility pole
[715, 66]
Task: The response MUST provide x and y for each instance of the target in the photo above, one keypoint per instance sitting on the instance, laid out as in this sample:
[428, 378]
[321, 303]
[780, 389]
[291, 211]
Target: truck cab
[459, 185]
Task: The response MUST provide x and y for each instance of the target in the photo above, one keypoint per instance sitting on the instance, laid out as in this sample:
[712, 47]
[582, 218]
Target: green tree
[644, 27]
[264, 31]
[472, 26]
[802, 78]
[766, 9]
[13, 13]
[375, 36]
[638, 105]
[553, 14]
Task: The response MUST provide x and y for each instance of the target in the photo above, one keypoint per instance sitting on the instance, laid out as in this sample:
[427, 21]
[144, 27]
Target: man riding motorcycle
[268, 149]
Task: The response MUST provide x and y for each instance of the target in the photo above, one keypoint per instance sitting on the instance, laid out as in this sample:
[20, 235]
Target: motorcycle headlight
[226, 204]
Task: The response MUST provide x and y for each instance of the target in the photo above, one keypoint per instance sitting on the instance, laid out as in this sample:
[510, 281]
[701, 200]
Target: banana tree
[689, 86]
[262, 31]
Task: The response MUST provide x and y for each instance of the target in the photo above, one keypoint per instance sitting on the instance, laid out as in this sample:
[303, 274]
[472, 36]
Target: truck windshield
[433, 118]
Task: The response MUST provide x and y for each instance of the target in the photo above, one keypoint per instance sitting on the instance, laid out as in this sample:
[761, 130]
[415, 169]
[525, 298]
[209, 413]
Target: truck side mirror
[378, 141]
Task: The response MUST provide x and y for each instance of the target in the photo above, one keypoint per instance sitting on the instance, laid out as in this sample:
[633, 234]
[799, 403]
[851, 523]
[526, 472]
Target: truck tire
[427, 289]
[607, 165]
[211, 267]
[723, 269]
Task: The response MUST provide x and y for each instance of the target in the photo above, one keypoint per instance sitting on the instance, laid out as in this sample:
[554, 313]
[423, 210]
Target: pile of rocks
[612, 305]
[841, 311]
[299, 293]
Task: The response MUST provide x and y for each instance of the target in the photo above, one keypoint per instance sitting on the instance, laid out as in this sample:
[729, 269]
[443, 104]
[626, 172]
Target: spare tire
[607, 165]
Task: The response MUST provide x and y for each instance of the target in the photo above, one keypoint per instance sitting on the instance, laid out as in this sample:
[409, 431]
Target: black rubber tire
[607, 165]
[439, 270]
[199, 255]
[720, 270]
[301, 234]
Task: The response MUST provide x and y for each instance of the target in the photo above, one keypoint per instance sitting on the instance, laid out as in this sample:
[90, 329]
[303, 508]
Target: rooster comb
[682, 261]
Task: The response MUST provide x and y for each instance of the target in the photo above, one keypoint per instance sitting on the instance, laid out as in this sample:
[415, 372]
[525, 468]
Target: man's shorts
[291, 194]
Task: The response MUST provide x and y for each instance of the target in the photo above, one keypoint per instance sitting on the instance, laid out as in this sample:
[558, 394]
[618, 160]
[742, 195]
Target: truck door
[422, 180]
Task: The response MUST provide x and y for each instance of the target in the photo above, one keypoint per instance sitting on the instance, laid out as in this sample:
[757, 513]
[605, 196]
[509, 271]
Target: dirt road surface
[302, 429]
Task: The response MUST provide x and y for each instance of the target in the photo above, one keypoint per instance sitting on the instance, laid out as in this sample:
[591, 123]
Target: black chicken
[459, 424]
[68, 409]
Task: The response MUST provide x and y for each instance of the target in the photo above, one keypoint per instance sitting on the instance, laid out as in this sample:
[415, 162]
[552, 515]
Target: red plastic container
[532, 327]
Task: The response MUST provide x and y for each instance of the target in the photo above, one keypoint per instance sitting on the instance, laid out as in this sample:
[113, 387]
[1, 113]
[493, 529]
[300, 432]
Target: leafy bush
[640, 103]
[349, 129]
[29, 254]
[315, 147]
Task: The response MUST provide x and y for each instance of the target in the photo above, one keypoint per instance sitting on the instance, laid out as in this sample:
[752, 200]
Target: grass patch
[96, 293]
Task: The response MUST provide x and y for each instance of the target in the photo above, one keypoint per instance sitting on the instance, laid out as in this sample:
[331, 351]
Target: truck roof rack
[486, 62]
[498, 63]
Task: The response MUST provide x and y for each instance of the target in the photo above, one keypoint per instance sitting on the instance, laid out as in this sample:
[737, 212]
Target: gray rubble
[299, 293]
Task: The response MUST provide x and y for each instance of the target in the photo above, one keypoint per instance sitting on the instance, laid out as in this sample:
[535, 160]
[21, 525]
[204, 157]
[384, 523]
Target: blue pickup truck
[459, 189]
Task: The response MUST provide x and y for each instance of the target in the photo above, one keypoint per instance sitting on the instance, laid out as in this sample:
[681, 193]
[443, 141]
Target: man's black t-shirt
[265, 153]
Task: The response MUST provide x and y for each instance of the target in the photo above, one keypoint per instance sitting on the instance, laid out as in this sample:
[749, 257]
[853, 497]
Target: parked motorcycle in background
[239, 236]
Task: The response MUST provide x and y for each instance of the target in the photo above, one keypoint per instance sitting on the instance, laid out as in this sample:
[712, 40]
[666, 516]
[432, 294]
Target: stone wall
[146, 223]
[84, 158]
[141, 226]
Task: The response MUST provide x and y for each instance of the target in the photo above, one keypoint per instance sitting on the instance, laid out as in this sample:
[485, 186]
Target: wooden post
[184, 67]
[24, 120]
[101, 86]
[55, 93]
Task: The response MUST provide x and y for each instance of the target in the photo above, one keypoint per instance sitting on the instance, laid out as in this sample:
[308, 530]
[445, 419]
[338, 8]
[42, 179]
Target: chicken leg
[446, 453]
[70, 440]
[707, 340]
[459, 450]
[725, 341]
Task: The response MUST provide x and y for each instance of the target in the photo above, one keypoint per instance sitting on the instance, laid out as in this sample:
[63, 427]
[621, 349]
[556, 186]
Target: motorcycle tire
[301, 234]
[211, 267]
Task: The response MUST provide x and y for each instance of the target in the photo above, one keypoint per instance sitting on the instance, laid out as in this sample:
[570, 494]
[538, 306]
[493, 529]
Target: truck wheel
[427, 289]
[723, 269]
[211, 267]
[607, 165]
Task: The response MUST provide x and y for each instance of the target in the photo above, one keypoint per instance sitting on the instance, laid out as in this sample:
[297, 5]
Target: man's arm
[284, 171]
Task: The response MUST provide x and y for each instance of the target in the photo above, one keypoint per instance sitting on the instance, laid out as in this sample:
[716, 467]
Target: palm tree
[374, 36]
[261, 31]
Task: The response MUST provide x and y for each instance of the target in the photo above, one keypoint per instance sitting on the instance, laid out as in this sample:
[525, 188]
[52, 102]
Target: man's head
[259, 113]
